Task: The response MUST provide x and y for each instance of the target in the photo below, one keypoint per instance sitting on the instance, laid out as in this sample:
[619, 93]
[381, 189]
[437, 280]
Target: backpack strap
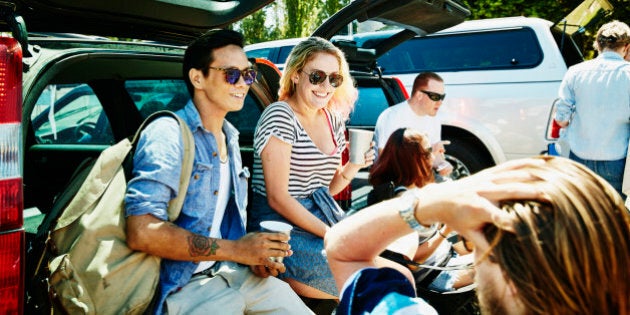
[175, 205]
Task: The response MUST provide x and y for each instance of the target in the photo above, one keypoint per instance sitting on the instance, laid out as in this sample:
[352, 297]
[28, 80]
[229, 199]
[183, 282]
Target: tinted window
[150, 96]
[153, 95]
[508, 49]
[70, 114]
[371, 103]
[245, 120]
[284, 53]
[568, 47]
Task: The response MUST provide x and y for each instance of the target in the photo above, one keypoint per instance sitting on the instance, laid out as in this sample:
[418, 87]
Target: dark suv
[65, 97]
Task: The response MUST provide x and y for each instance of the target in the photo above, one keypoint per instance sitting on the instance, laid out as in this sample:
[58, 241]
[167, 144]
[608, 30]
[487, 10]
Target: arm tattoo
[202, 246]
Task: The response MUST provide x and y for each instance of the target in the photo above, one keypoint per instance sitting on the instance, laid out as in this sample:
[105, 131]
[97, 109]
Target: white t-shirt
[222, 200]
[402, 116]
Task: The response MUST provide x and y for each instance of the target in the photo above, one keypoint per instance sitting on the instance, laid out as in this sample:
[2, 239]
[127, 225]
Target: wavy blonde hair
[571, 254]
[345, 95]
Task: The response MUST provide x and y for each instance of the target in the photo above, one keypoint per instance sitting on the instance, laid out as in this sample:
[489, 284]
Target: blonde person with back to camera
[550, 237]
[297, 163]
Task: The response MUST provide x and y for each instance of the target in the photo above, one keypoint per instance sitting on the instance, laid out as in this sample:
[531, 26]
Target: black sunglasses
[434, 96]
[318, 77]
[233, 74]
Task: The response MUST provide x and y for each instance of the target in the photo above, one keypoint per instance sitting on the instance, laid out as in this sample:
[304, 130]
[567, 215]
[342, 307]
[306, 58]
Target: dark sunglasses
[233, 74]
[434, 96]
[318, 77]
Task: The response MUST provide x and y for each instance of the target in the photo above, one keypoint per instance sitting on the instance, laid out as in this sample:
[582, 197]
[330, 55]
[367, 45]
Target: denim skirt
[308, 264]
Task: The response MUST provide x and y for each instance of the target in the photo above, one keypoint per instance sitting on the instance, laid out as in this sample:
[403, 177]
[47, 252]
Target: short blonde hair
[612, 35]
[345, 95]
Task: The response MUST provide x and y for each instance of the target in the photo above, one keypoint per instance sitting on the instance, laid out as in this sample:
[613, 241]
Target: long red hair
[405, 160]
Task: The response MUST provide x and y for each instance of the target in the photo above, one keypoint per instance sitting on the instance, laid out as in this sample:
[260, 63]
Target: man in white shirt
[418, 112]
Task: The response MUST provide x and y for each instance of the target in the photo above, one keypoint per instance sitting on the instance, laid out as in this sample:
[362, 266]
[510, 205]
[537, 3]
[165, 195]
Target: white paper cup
[276, 227]
[359, 144]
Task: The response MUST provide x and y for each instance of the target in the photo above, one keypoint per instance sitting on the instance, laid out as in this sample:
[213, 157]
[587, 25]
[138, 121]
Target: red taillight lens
[12, 272]
[11, 204]
[402, 88]
[10, 80]
[11, 199]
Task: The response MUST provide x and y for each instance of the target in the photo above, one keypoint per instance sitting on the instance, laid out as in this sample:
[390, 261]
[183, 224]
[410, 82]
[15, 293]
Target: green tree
[331, 7]
[260, 26]
[254, 26]
[300, 17]
[287, 19]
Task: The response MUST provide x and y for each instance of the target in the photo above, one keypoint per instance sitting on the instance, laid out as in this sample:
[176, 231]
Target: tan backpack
[92, 270]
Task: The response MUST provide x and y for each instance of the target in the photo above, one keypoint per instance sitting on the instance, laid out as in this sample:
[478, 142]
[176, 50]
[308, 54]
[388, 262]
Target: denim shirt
[597, 94]
[155, 180]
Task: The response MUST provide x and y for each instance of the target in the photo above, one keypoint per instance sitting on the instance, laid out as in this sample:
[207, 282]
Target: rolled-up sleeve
[277, 120]
[156, 170]
[566, 100]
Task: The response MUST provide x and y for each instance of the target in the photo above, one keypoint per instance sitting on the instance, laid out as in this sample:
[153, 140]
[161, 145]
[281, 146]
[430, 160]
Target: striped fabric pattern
[310, 167]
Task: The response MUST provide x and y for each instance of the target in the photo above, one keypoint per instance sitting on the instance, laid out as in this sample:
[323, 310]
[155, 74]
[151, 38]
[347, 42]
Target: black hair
[199, 54]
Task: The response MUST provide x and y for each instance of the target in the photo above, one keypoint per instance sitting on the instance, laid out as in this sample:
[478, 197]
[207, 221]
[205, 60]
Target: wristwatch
[410, 199]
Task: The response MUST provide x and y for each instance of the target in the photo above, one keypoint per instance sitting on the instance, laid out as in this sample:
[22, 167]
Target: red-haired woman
[406, 163]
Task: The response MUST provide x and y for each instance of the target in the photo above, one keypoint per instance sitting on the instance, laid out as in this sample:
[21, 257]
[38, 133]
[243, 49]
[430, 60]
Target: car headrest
[268, 79]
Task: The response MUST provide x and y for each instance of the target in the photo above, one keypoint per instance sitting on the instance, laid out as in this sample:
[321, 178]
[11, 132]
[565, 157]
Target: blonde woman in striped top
[297, 161]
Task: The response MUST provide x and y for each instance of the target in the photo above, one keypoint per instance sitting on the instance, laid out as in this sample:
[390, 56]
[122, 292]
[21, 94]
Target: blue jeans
[611, 171]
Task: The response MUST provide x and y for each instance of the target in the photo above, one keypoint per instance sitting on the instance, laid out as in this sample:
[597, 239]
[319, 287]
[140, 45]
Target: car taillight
[402, 88]
[11, 198]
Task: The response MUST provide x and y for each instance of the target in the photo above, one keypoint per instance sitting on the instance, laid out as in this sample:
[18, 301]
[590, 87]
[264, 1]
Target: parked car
[64, 97]
[501, 77]
[275, 51]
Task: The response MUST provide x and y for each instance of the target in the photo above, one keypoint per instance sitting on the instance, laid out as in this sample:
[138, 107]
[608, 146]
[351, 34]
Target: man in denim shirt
[595, 105]
[208, 263]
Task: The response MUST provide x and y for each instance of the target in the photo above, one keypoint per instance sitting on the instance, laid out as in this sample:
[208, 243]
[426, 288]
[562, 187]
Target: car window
[70, 114]
[260, 53]
[371, 103]
[505, 49]
[150, 96]
[153, 95]
[284, 53]
[245, 120]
